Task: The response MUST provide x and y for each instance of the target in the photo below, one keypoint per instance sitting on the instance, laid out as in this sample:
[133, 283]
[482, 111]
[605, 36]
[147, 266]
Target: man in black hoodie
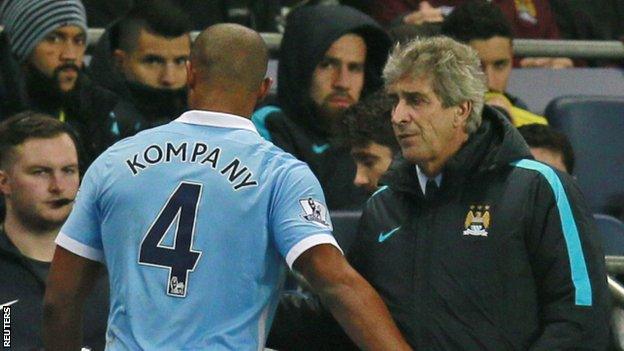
[330, 56]
[47, 41]
[472, 244]
[143, 58]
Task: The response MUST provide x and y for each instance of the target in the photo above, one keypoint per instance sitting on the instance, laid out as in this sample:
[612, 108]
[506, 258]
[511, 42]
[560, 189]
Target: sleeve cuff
[79, 248]
[307, 243]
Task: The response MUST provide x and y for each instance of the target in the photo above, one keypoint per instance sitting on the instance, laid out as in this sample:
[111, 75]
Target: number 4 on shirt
[180, 259]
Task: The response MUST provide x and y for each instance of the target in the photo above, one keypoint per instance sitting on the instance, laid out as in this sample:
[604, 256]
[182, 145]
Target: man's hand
[353, 302]
[425, 14]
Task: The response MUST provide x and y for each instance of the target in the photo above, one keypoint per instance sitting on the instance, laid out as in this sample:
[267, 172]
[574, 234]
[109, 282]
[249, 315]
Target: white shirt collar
[422, 179]
[216, 119]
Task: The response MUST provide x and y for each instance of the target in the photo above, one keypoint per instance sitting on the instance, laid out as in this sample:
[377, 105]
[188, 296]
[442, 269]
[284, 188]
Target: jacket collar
[494, 145]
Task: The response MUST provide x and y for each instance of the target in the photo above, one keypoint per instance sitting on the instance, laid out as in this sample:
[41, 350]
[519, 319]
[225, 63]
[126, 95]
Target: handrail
[615, 264]
[588, 49]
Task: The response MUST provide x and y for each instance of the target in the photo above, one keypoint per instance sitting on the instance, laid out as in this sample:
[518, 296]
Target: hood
[101, 67]
[310, 31]
[493, 146]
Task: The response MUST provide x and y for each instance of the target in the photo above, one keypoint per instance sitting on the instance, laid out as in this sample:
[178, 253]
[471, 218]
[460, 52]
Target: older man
[473, 245]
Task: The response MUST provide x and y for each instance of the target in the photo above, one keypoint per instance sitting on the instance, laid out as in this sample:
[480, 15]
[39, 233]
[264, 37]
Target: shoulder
[267, 119]
[544, 181]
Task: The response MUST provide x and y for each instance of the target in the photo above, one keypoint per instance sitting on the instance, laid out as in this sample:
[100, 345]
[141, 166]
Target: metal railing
[615, 265]
[587, 49]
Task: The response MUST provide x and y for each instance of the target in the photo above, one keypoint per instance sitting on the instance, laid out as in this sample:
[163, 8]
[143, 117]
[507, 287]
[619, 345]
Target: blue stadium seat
[345, 227]
[595, 126]
[612, 231]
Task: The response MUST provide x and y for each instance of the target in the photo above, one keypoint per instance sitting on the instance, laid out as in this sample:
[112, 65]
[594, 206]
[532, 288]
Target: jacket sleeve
[272, 125]
[568, 264]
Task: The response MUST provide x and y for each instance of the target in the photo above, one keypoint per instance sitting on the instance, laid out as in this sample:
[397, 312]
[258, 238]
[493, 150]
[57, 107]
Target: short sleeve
[299, 218]
[81, 232]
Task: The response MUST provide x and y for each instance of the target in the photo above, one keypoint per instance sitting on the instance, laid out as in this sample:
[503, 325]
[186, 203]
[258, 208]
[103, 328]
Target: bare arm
[69, 283]
[353, 302]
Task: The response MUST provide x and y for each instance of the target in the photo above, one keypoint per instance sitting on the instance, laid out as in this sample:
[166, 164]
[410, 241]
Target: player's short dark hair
[15, 130]
[476, 20]
[159, 17]
[369, 120]
[543, 136]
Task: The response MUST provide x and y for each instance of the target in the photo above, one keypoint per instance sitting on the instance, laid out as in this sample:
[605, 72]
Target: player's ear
[5, 187]
[119, 56]
[191, 75]
[265, 88]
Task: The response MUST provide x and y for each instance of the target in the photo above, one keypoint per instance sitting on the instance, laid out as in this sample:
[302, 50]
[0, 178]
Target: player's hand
[425, 14]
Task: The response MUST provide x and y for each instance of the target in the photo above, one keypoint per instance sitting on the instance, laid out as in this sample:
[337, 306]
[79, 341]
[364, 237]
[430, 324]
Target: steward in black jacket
[296, 126]
[504, 256]
[22, 286]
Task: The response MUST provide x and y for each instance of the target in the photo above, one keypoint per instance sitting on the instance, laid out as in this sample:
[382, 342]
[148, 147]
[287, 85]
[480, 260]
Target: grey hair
[455, 70]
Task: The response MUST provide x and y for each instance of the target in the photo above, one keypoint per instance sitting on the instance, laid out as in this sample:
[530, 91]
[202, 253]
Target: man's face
[156, 61]
[496, 56]
[41, 180]
[338, 79]
[372, 162]
[60, 55]
[550, 157]
[422, 126]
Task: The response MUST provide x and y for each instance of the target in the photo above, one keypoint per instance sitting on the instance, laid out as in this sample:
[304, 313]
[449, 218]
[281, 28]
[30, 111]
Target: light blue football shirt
[195, 221]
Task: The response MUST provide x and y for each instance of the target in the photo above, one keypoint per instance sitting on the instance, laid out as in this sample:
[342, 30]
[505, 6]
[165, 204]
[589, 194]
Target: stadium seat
[538, 86]
[595, 127]
[612, 231]
[345, 227]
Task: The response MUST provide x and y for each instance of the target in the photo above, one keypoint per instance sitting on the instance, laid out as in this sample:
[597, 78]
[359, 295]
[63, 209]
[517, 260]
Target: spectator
[549, 146]
[330, 56]
[38, 180]
[530, 19]
[483, 27]
[371, 140]
[143, 58]
[48, 40]
[236, 226]
[474, 246]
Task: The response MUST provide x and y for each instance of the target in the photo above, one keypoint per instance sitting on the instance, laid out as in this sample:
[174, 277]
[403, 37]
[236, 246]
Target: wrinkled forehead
[412, 82]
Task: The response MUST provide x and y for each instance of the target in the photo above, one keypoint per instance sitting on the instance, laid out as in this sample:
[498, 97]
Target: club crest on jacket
[477, 220]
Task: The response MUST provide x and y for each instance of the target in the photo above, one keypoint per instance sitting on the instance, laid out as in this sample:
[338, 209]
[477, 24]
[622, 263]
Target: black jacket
[21, 280]
[294, 126]
[489, 262]
[91, 110]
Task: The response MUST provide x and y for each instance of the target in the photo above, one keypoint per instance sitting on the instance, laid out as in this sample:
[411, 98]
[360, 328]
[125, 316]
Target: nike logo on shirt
[384, 236]
[319, 149]
[7, 304]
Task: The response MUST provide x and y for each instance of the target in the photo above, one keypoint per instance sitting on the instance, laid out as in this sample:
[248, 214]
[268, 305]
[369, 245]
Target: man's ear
[462, 112]
[119, 56]
[191, 75]
[5, 186]
[265, 88]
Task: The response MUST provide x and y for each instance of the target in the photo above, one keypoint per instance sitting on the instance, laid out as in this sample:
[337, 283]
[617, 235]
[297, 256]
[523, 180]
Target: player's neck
[220, 101]
[37, 245]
